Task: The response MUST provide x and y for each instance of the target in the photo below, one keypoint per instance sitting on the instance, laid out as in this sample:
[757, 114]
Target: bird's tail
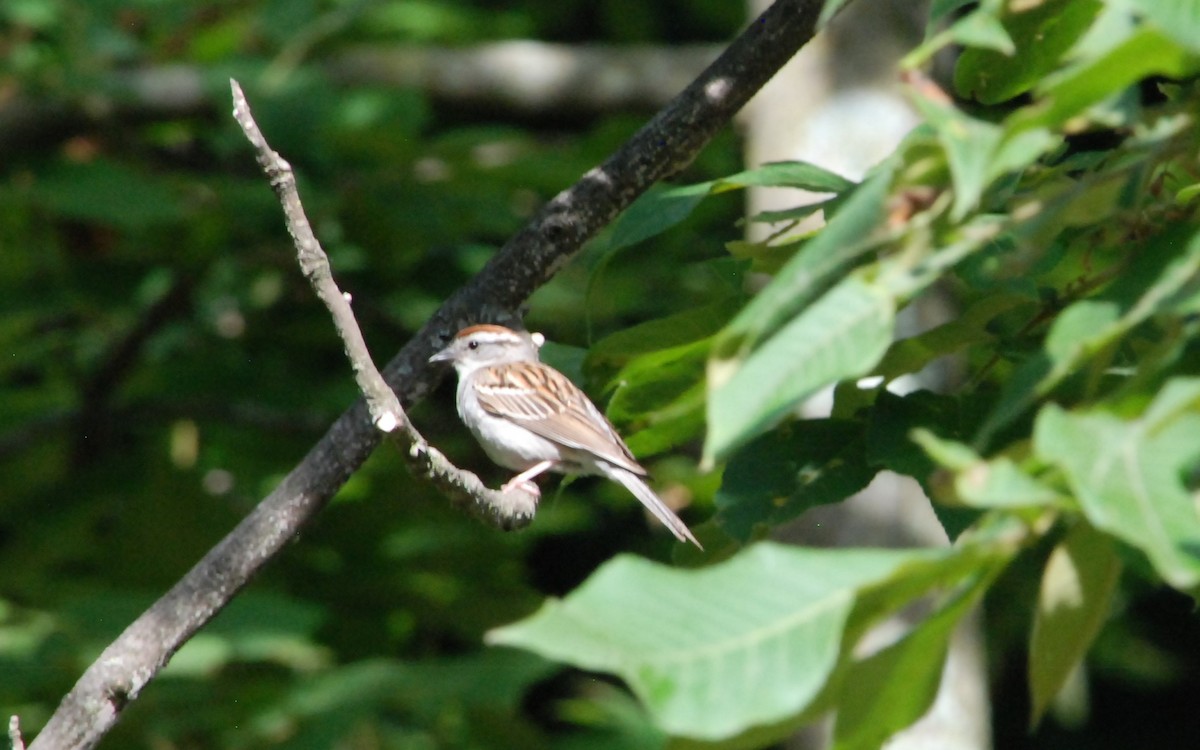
[653, 503]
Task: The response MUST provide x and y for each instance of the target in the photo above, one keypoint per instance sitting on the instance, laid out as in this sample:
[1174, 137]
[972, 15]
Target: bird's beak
[444, 355]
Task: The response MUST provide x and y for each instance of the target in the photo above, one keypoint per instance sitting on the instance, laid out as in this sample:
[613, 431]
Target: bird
[530, 418]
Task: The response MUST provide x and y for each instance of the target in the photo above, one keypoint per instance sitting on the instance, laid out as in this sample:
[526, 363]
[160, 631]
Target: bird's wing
[547, 403]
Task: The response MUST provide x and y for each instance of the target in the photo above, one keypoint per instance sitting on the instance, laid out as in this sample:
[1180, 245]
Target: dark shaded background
[163, 364]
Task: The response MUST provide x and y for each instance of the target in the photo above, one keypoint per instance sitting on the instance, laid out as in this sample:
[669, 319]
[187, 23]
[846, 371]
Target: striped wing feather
[547, 403]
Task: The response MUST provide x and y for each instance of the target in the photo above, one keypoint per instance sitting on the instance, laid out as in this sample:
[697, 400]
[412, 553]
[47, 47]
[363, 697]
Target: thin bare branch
[14, 733]
[509, 510]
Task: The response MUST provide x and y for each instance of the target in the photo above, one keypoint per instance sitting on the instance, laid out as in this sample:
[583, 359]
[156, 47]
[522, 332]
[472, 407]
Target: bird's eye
[472, 344]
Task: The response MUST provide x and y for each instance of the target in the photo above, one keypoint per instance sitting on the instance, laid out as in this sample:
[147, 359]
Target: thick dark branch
[660, 149]
[670, 141]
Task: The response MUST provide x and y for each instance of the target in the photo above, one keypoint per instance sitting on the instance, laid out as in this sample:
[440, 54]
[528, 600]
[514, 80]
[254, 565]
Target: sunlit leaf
[982, 30]
[842, 335]
[891, 689]
[255, 627]
[683, 327]
[1043, 32]
[792, 174]
[1144, 53]
[1178, 19]
[979, 152]
[765, 627]
[1127, 475]
[1000, 483]
[813, 270]
[1076, 592]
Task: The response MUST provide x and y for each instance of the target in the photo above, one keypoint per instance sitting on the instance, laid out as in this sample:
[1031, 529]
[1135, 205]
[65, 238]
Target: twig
[666, 144]
[14, 733]
[510, 510]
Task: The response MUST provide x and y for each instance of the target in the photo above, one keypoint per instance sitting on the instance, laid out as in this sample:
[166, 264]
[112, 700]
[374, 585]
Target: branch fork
[508, 510]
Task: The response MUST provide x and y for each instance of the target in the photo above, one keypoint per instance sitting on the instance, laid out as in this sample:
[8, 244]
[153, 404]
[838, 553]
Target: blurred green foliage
[162, 365]
[1053, 196]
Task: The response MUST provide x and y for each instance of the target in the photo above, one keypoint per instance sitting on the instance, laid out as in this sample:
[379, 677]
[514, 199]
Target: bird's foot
[525, 485]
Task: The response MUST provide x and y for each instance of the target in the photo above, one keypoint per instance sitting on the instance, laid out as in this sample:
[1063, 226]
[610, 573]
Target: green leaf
[1164, 278]
[978, 152]
[982, 30]
[1178, 19]
[895, 423]
[891, 689]
[780, 475]
[1127, 475]
[824, 259]
[333, 701]
[948, 454]
[1188, 194]
[940, 10]
[978, 28]
[606, 717]
[793, 174]
[1022, 148]
[796, 213]
[842, 335]
[254, 627]
[659, 209]
[658, 390]
[1074, 600]
[997, 483]
[968, 327]
[1042, 34]
[660, 397]
[767, 256]
[686, 327]
[1146, 52]
[1080, 330]
[1000, 483]
[763, 631]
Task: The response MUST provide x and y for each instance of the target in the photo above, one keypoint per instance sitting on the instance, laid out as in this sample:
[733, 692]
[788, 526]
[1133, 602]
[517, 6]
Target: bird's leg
[523, 479]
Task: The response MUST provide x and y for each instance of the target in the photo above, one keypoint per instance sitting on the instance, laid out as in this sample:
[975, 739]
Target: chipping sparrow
[531, 418]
